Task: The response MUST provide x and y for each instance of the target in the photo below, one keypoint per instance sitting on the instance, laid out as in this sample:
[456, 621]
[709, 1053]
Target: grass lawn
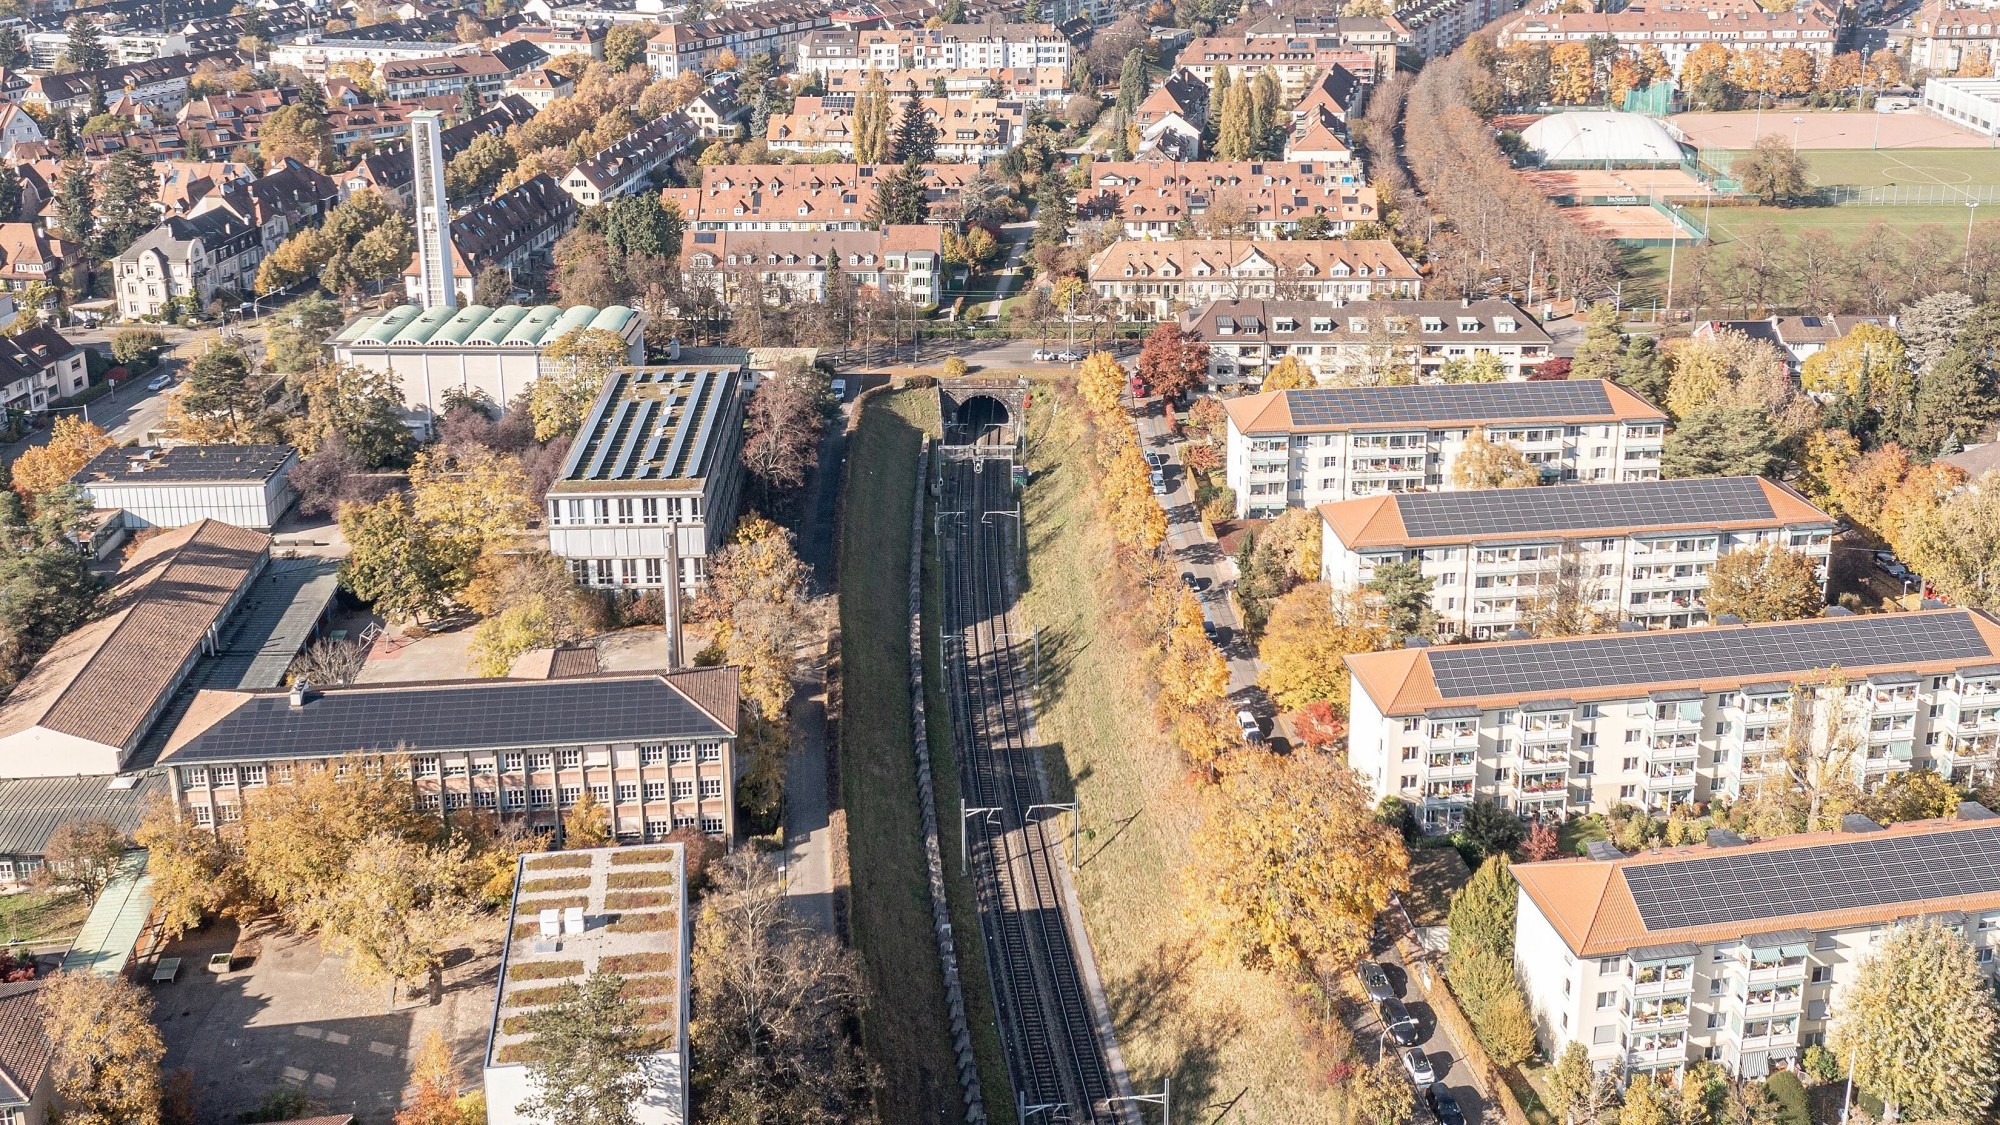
[1227, 1036]
[1580, 832]
[1908, 167]
[904, 1026]
[41, 917]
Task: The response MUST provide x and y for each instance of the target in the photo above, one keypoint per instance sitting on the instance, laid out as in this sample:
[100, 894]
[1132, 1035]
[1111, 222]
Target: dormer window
[1284, 324]
[1505, 324]
[1432, 324]
[1468, 324]
[1322, 324]
[1357, 324]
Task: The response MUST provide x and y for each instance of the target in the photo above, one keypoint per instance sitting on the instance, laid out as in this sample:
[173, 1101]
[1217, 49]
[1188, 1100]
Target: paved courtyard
[295, 1018]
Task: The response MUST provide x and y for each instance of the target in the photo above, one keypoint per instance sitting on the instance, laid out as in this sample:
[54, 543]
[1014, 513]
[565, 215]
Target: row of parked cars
[1401, 1028]
[1045, 355]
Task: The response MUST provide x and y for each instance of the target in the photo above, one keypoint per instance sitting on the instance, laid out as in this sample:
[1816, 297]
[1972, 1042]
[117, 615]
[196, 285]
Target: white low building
[629, 920]
[492, 353]
[1733, 951]
[1971, 102]
[1637, 552]
[151, 486]
[1670, 718]
[1312, 447]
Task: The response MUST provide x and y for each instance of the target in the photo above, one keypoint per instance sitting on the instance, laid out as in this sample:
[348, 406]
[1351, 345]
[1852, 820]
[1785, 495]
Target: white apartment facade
[1737, 952]
[1147, 280]
[1287, 449]
[959, 46]
[1671, 718]
[1637, 552]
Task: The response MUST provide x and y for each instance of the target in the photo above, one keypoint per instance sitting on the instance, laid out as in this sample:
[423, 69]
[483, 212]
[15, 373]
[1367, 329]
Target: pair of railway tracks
[1056, 1055]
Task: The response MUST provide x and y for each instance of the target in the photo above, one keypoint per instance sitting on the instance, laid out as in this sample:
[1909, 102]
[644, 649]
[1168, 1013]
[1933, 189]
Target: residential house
[1362, 341]
[1664, 719]
[969, 130]
[802, 197]
[1043, 85]
[1182, 95]
[160, 83]
[38, 366]
[1311, 447]
[1437, 27]
[966, 46]
[30, 255]
[513, 231]
[766, 27]
[1676, 30]
[1293, 62]
[558, 41]
[792, 267]
[632, 164]
[1740, 952]
[1157, 280]
[717, 111]
[1384, 38]
[27, 1083]
[17, 128]
[1499, 559]
[1797, 338]
[283, 201]
[540, 86]
[185, 262]
[1160, 199]
[1172, 138]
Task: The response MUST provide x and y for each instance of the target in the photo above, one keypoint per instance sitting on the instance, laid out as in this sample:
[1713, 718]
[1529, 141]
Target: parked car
[1209, 630]
[1068, 357]
[1159, 483]
[839, 388]
[1043, 355]
[1375, 982]
[1401, 1025]
[1251, 731]
[1418, 1065]
[160, 382]
[1444, 1105]
[1156, 459]
[1189, 580]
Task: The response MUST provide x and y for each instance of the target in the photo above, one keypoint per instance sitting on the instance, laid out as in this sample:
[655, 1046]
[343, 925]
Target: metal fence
[1911, 195]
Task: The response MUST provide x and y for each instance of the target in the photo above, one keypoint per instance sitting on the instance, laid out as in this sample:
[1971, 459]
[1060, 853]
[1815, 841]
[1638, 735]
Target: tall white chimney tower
[433, 213]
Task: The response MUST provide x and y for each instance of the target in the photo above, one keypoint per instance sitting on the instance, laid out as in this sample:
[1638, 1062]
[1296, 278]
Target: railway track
[1055, 1054]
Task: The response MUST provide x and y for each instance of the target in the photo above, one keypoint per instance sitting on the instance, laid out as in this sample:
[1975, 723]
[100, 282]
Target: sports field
[1827, 130]
[1943, 169]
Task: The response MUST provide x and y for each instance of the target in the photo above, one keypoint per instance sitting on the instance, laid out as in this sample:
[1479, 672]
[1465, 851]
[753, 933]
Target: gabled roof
[24, 1046]
[1830, 880]
[1323, 409]
[103, 682]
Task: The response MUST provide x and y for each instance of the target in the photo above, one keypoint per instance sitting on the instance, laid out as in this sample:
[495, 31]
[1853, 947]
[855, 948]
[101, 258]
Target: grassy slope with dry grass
[904, 1026]
[1221, 1032]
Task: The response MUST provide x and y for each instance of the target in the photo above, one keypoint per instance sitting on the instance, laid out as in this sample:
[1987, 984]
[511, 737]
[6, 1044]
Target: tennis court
[1625, 222]
[1826, 130]
[1578, 183]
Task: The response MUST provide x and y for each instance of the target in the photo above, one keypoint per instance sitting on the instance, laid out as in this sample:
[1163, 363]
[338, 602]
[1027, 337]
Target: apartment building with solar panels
[1287, 449]
[654, 478]
[1668, 718]
[656, 750]
[1734, 951]
[1638, 552]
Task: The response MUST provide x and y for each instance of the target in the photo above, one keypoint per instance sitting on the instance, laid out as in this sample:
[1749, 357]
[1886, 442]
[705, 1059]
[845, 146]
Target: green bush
[1821, 1064]
[1790, 1094]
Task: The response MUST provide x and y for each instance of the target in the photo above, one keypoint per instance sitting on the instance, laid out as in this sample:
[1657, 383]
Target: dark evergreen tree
[468, 101]
[1643, 369]
[86, 50]
[1055, 210]
[1132, 82]
[125, 210]
[10, 195]
[13, 55]
[901, 197]
[1954, 402]
[1728, 441]
[312, 95]
[76, 205]
[916, 137]
[98, 106]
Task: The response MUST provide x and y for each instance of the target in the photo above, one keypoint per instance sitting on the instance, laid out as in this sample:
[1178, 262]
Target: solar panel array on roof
[452, 717]
[1452, 402]
[1845, 875]
[656, 423]
[1736, 652]
[1639, 504]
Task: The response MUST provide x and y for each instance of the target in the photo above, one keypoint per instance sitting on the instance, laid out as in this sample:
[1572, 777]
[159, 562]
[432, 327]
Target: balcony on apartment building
[1778, 958]
[1766, 1001]
[1655, 1050]
[1451, 765]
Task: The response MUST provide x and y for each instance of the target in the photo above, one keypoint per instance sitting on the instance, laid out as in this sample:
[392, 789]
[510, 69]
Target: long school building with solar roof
[658, 457]
[1324, 444]
[656, 750]
[1667, 718]
[1734, 951]
[494, 353]
[1640, 552]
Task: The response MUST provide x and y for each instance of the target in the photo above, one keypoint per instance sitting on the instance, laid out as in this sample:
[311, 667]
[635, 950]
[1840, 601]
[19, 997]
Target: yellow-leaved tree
[1764, 583]
[1310, 630]
[1288, 374]
[471, 497]
[297, 838]
[1868, 360]
[573, 372]
[1101, 381]
[1292, 867]
[104, 1052]
[72, 443]
[1194, 682]
[1490, 464]
[1132, 511]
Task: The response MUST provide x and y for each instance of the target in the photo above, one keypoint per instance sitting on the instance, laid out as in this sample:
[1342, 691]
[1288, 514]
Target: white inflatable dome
[1602, 136]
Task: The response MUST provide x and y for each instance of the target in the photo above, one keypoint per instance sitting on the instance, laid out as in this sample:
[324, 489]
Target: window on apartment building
[649, 510]
[711, 787]
[1604, 1035]
[1715, 987]
[658, 829]
[683, 752]
[1714, 1020]
[231, 813]
[1585, 768]
[1502, 774]
[455, 768]
[224, 775]
[1587, 739]
[569, 759]
[601, 794]
[710, 751]
[514, 799]
[1629, 764]
[1407, 781]
[281, 772]
[683, 790]
[652, 753]
[1821, 974]
[567, 795]
[626, 512]
[656, 790]
[541, 761]
[1627, 792]
[429, 802]
[1412, 753]
[194, 777]
[484, 798]
[253, 775]
[711, 824]
[1607, 1000]
[1634, 736]
[628, 792]
[653, 572]
[202, 815]
[1587, 711]
[1724, 727]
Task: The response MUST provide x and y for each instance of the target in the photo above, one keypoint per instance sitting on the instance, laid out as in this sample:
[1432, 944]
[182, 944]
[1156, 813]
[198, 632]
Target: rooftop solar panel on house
[1735, 652]
[1637, 505]
[1453, 402]
[1876, 871]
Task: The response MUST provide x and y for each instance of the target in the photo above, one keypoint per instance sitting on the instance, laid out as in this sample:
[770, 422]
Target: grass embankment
[1224, 1034]
[905, 1028]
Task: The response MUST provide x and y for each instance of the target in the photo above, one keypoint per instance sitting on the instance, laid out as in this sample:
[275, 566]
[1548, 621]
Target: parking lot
[293, 1018]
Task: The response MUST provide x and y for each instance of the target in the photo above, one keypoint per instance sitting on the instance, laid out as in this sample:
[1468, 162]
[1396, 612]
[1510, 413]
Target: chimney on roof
[299, 690]
[1854, 822]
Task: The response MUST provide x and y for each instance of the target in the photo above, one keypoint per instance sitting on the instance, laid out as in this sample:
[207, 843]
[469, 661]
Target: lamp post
[1796, 122]
[1965, 264]
[1164, 1099]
